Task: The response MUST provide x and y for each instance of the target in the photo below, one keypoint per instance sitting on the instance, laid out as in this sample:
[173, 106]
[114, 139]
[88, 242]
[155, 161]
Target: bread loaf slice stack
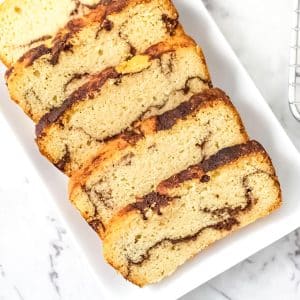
[189, 211]
[160, 163]
[134, 162]
[149, 84]
[111, 33]
[25, 24]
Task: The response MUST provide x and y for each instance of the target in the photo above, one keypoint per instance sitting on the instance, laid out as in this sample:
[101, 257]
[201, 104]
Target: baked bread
[136, 161]
[110, 34]
[111, 101]
[149, 239]
[28, 23]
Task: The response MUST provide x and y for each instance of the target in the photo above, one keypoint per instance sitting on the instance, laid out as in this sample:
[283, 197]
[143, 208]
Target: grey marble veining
[37, 257]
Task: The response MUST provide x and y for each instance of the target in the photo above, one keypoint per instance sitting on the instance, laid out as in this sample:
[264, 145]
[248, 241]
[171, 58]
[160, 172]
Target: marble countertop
[37, 257]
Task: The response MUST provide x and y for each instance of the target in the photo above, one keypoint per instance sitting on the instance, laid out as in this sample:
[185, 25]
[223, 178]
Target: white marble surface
[37, 257]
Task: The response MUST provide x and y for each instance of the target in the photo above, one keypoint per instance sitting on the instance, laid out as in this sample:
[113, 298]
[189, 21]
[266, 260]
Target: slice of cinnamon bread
[111, 101]
[28, 23]
[136, 161]
[113, 32]
[151, 238]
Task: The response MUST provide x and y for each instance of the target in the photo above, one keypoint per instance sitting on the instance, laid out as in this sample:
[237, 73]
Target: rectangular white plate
[262, 125]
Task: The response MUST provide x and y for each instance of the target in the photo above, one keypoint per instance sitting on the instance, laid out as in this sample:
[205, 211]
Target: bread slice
[112, 100]
[136, 161]
[28, 23]
[110, 34]
[151, 238]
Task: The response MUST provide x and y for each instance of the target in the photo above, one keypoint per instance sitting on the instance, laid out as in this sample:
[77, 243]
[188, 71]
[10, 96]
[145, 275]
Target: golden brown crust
[181, 40]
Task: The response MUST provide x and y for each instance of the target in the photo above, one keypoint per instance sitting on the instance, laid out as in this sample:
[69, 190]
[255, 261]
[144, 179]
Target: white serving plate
[227, 73]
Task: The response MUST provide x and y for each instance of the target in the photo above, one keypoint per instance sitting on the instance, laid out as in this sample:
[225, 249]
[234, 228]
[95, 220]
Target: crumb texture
[111, 101]
[107, 36]
[157, 234]
[131, 165]
[159, 162]
[32, 22]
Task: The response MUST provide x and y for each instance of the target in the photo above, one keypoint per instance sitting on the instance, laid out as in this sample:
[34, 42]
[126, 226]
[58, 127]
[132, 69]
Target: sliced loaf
[112, 100]
[44, 76]
[151, 238]
[28, 23]
[136, 161]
